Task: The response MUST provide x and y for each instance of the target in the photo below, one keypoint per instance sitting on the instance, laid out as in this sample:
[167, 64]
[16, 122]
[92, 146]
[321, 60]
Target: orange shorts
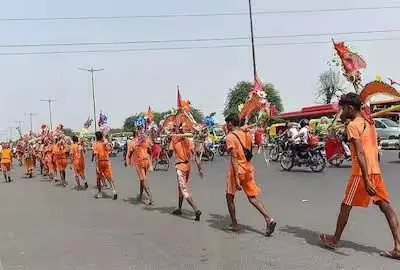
[104, 169]
[247, 182]
[61, 164]
[79, 168]
[356, 195]
[141, 169]
[6, 167]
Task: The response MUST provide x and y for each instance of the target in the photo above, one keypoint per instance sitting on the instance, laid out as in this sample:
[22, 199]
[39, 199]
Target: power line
[194, 40]
[162, 16]
[190, 47]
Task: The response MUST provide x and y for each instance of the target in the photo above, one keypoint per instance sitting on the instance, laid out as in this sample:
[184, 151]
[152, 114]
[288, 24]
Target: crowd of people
[53, 151]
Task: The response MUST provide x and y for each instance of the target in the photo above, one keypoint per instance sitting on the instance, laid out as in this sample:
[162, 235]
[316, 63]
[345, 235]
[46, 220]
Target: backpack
[248, 153]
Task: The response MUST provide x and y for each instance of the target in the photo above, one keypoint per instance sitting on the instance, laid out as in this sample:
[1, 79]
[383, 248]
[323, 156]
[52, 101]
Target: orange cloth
[6, 167]
[362, 130]
[78, 159]
[48, 158]
[139, 152]
[183, 148]
[245, 168]
[6, 156]
[356, 195]
[102, 151]
[59, 155]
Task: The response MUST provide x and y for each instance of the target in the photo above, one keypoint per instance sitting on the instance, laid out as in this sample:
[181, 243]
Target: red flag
[351, 61]
[179, 99]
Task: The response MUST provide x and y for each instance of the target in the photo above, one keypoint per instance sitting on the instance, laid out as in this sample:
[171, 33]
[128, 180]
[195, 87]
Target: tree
[331, 86]
[68, 132]
[129, 123]
[239, 93]
[197, 114]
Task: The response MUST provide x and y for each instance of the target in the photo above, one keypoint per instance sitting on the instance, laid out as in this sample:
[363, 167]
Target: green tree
[129, 123]
[197, 114]
[68, 132]
[239, 93]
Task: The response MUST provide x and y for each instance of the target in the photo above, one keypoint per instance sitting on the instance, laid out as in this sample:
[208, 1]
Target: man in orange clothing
[241, 173]
[6, 161]
[78, 162]
[184, 150]
[60, 158]
[138, 155]
[101, 151]
[366, 182]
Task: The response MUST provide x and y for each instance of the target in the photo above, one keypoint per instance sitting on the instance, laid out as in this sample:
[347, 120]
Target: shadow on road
[189, 215]
[394, 161]
[220, 222]
[312, 238]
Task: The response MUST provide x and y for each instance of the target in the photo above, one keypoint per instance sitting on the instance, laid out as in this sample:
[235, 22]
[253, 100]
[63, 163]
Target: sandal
[270, 228]
[327, 241]
[230, 228]
[390, 255]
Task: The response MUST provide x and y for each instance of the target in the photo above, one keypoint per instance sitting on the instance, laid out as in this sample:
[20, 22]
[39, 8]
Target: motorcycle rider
[301, 139]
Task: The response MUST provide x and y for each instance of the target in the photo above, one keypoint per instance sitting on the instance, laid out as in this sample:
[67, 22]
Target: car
[387, 129]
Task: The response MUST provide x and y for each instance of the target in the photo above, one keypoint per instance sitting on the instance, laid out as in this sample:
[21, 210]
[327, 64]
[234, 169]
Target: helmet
[304, 122]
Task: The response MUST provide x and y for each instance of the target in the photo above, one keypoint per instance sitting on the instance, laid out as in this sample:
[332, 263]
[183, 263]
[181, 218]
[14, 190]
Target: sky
[131, 81]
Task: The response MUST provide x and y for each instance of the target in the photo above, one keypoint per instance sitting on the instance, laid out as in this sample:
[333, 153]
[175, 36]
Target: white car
[387, 129]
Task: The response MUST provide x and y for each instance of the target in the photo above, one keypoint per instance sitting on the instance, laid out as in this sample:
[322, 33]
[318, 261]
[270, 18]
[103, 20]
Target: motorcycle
[222, 147]
[209, 151]
[277, 148]
[311, 157]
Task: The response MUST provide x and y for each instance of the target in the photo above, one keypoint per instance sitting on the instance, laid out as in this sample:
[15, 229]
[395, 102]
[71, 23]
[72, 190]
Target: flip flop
[326, 242]
[229, 228]
[390, 255]
[270, 228]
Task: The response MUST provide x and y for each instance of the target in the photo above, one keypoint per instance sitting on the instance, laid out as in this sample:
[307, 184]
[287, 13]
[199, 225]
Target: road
[44, 226]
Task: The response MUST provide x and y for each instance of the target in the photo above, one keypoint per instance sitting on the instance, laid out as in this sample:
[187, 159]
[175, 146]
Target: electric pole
[30, 119]
[92, 71]
[19, 127]
[49, 101]
[252, 42]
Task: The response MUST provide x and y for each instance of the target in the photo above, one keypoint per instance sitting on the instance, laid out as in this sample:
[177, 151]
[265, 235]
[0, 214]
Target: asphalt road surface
[44, 226]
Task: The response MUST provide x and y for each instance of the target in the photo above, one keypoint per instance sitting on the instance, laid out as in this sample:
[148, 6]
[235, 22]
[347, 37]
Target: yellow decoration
[240, 107]
[378, 78]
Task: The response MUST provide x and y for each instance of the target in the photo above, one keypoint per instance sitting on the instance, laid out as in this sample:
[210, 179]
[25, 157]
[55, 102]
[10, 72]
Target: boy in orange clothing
[6, 161]
[78, 162]
[138, 155]
[366, 182]
[101, 151]
[60, 158]
[241, 174]
[184, 150]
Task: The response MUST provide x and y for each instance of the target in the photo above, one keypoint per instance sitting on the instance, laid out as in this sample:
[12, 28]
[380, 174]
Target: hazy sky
[133, 80]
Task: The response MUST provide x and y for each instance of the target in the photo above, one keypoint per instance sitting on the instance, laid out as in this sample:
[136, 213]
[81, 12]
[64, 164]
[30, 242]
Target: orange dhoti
[28, 164]
[104, 169]
[61, 164]
[79, 167]
[142, 168]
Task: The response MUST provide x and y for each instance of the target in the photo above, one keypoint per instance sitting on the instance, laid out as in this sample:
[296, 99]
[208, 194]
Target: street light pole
[92, 71]
[252, 42]
[19, 127]
[50, 115]
[30, 119]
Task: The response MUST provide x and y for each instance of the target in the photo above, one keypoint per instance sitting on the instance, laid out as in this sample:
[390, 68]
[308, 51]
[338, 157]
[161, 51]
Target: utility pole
[30, 119]
[252, 42]
[49, 101]
[19, 127]
[92, 71]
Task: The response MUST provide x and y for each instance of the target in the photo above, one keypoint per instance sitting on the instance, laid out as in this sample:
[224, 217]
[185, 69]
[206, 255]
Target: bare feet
[328, 241]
